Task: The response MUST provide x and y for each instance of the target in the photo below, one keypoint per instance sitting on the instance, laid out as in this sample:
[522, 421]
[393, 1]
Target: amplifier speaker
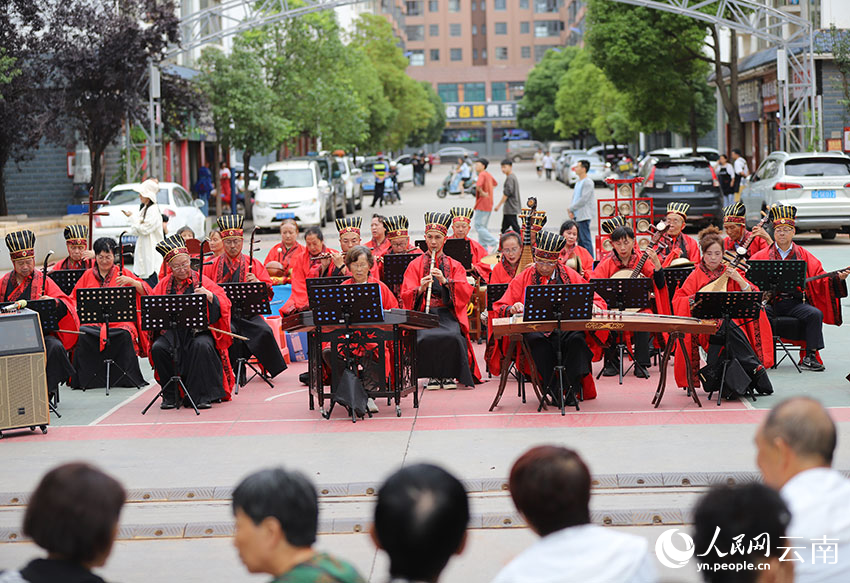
[23, 380]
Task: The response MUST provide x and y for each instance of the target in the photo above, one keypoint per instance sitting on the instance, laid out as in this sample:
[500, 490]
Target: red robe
[502, 272]
[222, 341]
[460, 289]
[305, 266]
[91, 279]
[31, 289]
[758, 333]
[683, 246]
[516, 293]
[287, 258]
[388, 302]
[611, 264]
[67, 263]
[756, 245]
[222, 270]
[583, 256]
[378, 250]
[478, 252]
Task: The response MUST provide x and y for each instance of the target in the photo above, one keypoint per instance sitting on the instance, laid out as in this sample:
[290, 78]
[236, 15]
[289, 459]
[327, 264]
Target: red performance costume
[578, 259]
[462, 220]
[379, 250]
[681, 246]
[397, 229]
[503, 272]
[306, 266]
[288, 258]
[75, 236]
[736, 214]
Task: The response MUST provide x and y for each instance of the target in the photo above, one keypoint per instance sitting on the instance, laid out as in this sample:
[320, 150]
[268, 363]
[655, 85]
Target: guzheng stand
[247, 299]
[66, 279]
[621, 295]
[174, 312]
[106, 305]
[727, 306]
[495, 291]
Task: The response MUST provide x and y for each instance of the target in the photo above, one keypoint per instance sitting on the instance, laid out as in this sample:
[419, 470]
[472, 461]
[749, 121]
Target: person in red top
[233, 266]
[314, 262]
[124, 342]
[820, 302]
[484, 203]
[575, 345]
[349, 237]
[443, 354]
[683, 248]
[399, 241]
[24, 282]
[380, 243]
[503, 272]
[204, 365]
[77, 242]
[224, 179]
[286, 253]
[750, 342]
[461, 222]
[735, 226]
[574, 255]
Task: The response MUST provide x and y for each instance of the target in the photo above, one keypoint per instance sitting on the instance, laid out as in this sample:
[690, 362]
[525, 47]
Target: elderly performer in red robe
[504, 271]
[820, 302]
[444, 354]
[737, 235]
[621, 262]
[204, 365]
[314, 262]
[575, 345]
[398, 237]
[286, 253]
[24, 282]
[683, 248]
[124, 342]
[461, 223]
[380, 241]
[574, 255]
[77, 242]
[750, 342]
[233, 266]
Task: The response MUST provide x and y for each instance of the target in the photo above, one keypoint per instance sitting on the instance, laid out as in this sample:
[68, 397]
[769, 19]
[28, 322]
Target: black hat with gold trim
[735, 213]
[76, 235]
[460, 213]
[538, 220]
[231, 226]
[783, 215]
[612, 224]
[437, 222]
[549, 246]
[349, 225]
[396, 227]
[21, 244]
[680, 208]
[172, 246]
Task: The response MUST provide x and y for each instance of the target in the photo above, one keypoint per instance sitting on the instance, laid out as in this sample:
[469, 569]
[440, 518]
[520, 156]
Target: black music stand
[674, 277]
[727, 306]
[622, 295]
[313, 282]
[777, 277]
[559, 302]
[247, 299]
[394, 267]
[346, 305]
[458, 249]
[105, 305]
[174, 312]
[66, 279]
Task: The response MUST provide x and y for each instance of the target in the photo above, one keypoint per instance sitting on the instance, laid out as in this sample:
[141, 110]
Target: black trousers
[811, 317]
[260, 343]
[378, 195]
[576, 357]
[641, 348]
[197, 363]
[58, 366]
[89, 360]
[510, 222]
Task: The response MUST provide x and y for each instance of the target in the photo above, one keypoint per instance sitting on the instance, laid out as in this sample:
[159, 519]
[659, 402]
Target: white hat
[148, 189]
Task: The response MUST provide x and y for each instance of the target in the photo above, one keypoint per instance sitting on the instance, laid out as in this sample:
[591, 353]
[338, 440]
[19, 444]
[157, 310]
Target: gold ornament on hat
[460, 213]
[171, 247]
[349, 225]
[397, 227]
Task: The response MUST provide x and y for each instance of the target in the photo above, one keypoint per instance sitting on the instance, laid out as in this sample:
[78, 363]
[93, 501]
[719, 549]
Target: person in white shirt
[550, 487]
[538, 162]
[548, 165]
[795, 447]
[742, 170]
[147, 225]
[726, 177]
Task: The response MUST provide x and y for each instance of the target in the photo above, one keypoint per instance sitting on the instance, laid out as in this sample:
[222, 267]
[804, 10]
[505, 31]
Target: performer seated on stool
[749, 342]
[233, 266]
[444, 353]
[126, 341]
[77, 242]
[624, 257]
[577, 354]
[735, 226]
[683, 248]
[204, 363]
[461, 223]
[26, 283]
[819, 303]
[399, 241]
[380, 242]
[574, 255]
[314, 262]
[286, 253]
[510, 246]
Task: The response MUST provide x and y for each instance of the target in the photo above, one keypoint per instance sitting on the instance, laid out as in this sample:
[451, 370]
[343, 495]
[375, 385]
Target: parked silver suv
[817, 183]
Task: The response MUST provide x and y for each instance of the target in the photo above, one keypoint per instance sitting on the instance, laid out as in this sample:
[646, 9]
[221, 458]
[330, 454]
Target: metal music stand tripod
[247, 299]
[727, 306]
[624, 294]
[559, 302]
[105, 305]
[66, 279]
[174, 312]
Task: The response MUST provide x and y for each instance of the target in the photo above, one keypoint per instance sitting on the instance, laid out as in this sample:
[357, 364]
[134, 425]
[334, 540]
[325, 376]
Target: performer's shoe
[641, 372]
[449, 384]
[809, 362]
[304, 378]
[205, 405]
[611, 368]
[433, 385]
[371, 405]
[168, 403]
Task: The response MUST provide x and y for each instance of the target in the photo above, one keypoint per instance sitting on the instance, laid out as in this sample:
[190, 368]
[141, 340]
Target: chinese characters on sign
[505, 110]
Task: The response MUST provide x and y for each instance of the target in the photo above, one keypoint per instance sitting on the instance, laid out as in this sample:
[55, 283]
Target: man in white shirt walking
[742, 171]
[538, 162]
[582, 205]
[795, 448]
[548, 165]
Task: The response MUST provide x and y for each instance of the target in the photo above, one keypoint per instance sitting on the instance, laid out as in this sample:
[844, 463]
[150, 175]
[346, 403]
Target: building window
[483, 29]
[447, 92]
[547, 6]
[474, 30]
[500, 28]
[516, 89]
[524, 27]
[523, 4]
[433, 6]
[414, 7]
[501, 53]
[474, 54]
[435, 54]
[483, 5]
[474, 92]
[499, 5]
[415, 32]
[456, 54]
[544, 28]
[433, 30]
[454, 5]
[483, 54]
[417, 58]
[540, 50]
[499, 91]
[454, 29]
[525, 52]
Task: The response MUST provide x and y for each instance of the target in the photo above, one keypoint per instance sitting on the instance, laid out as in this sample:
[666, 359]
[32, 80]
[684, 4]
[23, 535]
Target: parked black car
[331, 172]
[690, 180]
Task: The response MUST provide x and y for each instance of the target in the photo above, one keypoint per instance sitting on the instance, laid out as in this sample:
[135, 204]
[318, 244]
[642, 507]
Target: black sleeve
[214, 310]
[659, 279]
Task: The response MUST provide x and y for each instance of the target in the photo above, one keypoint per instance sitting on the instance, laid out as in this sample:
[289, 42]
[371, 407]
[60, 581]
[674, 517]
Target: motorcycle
[462, 186]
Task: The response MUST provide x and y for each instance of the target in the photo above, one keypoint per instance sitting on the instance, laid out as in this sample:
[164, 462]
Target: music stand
[66, 279]
[778, 277]
[313, 282]
[458, 249]
[559, 302]
[728, 306]
[674, 277]
[394, 267]
[247, 299]
[174, 312]
[622, 295]
[105, 305]
[495, 291]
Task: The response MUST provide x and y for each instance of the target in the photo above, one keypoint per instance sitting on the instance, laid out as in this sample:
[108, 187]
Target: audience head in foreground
[550, 487]
[277, 514]
[420, 521]
[752, 519]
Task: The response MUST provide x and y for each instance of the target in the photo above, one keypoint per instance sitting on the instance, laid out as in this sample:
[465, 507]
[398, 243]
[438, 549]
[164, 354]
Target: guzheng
[405, 319]
[610, 320]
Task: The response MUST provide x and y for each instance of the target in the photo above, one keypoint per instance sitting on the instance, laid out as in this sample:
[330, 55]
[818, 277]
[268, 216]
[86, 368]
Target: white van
[292, 189]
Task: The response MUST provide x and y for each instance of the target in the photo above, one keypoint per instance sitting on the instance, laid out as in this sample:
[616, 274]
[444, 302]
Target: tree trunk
[729, 96]
[4, 209]
[97, 170]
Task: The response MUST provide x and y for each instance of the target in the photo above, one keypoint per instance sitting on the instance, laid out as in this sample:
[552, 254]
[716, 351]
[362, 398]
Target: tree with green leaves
[840, 48]
[536, 110]
[434, 131]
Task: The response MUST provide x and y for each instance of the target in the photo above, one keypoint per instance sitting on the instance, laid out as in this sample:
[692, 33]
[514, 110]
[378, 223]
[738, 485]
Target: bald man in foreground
[795, 447]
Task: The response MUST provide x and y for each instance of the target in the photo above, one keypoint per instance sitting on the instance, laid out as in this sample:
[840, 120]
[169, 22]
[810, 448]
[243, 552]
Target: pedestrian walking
[224, 178]
[742, 172]
[548, 165]
[581, 207]
[379, 172]
[725, 176]
[204, 186]
[484, 204]
[510, 198]
[538, 162]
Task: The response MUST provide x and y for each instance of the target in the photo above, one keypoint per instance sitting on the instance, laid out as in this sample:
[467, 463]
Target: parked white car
[404, 167]
[292, 189]
[350, 175]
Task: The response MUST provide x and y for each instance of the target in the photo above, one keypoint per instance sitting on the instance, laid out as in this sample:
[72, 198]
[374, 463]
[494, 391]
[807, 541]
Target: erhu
[44, 273]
